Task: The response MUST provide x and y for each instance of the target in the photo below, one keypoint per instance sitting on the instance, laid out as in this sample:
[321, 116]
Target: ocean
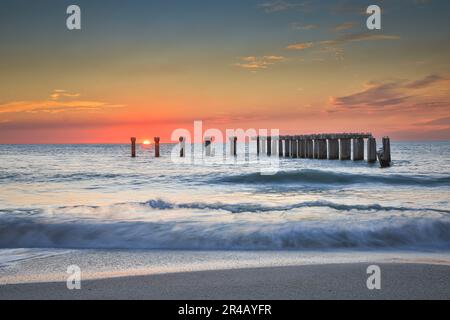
[96, 197]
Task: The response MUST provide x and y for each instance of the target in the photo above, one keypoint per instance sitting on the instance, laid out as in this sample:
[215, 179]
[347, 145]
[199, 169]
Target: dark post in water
[157, 147]
[133, 147]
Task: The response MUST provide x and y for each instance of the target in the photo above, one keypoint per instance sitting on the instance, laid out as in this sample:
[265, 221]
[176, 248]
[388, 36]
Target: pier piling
[233, 146]
[358, 149]
[157, 139]
[294, 147]
[333, 149]
[344, 149]
[257, 145]
[309, 149]
[287, 146]
[371, 150]
[182, 146]
[208, 141]
[280, 146]
[133, 147]
[269, 146]
[384, 154]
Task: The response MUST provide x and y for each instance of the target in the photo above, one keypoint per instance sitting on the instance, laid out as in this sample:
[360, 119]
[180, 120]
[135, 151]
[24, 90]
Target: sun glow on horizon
[146, 142]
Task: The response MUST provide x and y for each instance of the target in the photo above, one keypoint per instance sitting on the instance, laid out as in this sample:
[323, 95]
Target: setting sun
[146, 142]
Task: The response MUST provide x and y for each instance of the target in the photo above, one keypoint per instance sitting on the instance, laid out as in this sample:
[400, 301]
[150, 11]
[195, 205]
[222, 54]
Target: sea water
[96, 197]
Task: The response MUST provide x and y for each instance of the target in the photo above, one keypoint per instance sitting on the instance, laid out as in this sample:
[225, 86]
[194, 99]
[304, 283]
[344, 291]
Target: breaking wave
[64, 228]
[311, 176]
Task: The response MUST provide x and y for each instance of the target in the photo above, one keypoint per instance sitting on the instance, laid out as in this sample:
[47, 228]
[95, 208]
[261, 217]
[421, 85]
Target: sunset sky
[146, 68]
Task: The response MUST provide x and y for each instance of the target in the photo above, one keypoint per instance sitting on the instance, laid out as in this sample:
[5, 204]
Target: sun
[146, 142]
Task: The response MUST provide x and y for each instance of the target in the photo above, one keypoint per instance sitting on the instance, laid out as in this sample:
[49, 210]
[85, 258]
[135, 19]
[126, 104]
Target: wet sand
[330, 281]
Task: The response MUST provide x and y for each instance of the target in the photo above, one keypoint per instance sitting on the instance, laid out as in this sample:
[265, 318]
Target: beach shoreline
[327, 281]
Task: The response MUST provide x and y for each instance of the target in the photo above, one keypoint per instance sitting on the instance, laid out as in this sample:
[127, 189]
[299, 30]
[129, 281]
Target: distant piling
[157, 139]
[258, 145]
[358, 149]
[287, 146]
[371, 150]
[233, 146]
[280, 146]
[310, 149]
[182, 147]
[294, 147]
[333, 149]
[133, 147]
[302, 148]
[208, 147]
[384, 154]
[269, 146]
[345, 149]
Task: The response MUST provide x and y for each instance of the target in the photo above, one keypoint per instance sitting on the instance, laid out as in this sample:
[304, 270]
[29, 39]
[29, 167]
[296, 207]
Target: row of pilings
[342, 146]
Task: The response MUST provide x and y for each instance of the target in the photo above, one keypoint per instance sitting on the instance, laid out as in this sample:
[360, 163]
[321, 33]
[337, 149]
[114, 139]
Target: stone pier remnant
[302, 148]
[309, 149]
[182, 147]
[208, 147]
[269, 145]
[358, 149]
[157, 139]
[233, 146]
[333, 149]
[294, 147]
[371, 150]
[321, 148]
[344, 149]
[133, 147]
[280, 146]
[287, 146]
[257, 145]
[384, 154]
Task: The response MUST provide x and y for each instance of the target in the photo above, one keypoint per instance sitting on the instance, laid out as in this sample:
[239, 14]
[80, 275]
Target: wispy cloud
[300, 46]
[387, 95]
[341, 40]
[299, 26]
[344, 26]
[255, 63]
[280, 5]
[58, 101]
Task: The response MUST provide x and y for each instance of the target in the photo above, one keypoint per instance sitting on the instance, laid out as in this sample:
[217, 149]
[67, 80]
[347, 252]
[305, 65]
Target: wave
[255, 208]
[311, 176]
[195, 234]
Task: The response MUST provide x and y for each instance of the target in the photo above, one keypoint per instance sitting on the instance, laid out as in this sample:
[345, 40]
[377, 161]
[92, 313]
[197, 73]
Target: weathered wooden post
[182, 146]
[371, 150]
[157, 147]
[358, 149]
[384, 155]
[344, 149]
[316, 149]
[233, 146]
[133, 147]
[280, 146]
[269, 145]
[333, 149]
[208, 141]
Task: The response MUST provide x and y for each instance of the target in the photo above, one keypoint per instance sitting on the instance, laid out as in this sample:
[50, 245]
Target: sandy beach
[331, 281]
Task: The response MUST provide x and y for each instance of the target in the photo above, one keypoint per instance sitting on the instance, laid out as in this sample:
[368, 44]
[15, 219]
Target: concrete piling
[280, 146]
[321, 148]
[233, 146]
[358, 149]
[294, 147]
[302, 148]
[371, 150]
[287, 145]
[257, 145]
[310, 149]
[182, 146]
[333, 149]
[133, 147]
[269, 146]
[384, 154]
[344, 149]
[156, 139]
[208, 142]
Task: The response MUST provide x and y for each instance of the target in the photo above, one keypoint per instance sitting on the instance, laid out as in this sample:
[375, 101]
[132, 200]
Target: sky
[147, 68]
